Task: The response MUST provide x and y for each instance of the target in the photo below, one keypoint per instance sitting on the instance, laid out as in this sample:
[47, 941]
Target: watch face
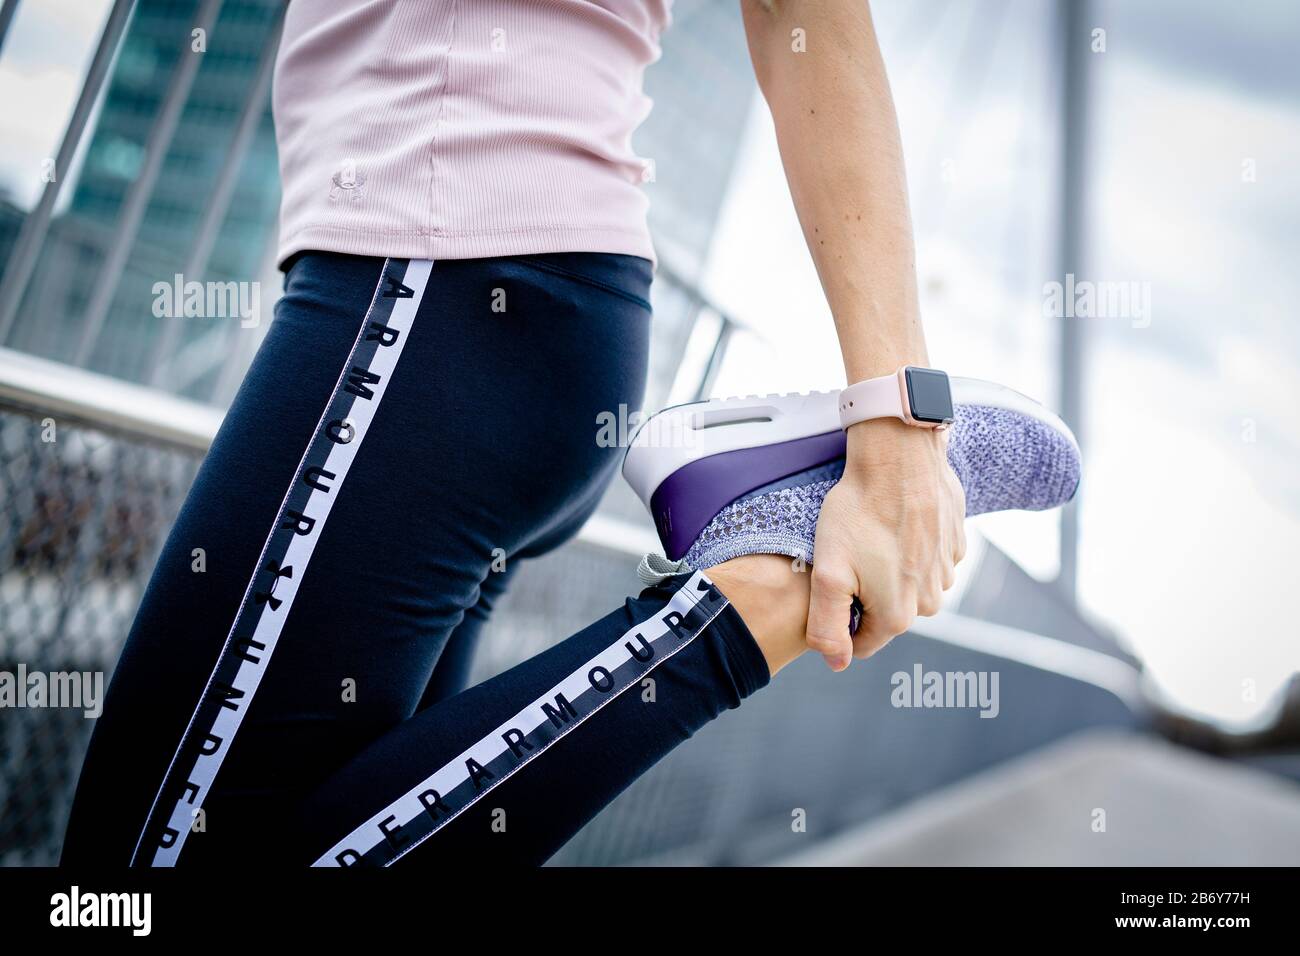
[929, 395]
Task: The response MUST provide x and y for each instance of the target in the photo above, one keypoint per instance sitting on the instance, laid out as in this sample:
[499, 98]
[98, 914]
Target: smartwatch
[921, 397]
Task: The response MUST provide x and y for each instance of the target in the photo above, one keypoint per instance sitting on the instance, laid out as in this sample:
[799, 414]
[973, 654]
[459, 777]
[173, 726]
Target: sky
[44, 61]
[1191, 499]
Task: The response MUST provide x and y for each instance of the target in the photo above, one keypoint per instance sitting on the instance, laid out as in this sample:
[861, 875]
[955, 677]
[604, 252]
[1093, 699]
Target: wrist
[881, 343]
[878, 441]
[859, 368]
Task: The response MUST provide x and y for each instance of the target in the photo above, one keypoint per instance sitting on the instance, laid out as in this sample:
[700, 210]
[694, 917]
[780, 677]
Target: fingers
[929, 600]
[884, 621]
[954, 551]
[830, 607]
[883, 537]
[957, 532]
[907, 593]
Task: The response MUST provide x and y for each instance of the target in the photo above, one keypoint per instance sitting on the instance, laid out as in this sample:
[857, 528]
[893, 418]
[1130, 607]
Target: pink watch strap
[874, 398]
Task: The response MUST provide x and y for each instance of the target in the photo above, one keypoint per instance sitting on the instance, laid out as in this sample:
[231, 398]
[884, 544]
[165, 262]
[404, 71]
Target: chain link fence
[84, 514]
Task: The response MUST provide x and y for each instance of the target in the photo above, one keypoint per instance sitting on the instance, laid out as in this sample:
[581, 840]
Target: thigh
[598, 356]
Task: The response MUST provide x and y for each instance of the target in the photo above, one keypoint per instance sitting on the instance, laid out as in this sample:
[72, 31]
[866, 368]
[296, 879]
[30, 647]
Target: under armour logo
[347, 182]
[268, 597]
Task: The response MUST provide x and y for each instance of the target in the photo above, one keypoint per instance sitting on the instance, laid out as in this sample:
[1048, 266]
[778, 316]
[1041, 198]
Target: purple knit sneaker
[732, 477]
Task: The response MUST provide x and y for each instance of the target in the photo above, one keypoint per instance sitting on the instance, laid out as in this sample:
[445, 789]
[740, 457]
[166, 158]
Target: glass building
[71, 266]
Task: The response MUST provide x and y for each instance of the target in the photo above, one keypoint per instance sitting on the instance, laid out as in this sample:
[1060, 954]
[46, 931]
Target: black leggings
[293, 687]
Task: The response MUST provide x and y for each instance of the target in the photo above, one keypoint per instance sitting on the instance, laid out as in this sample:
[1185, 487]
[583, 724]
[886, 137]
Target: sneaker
[738, 476]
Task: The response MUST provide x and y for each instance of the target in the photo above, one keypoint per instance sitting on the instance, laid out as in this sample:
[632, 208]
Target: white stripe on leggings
[299, 552]
[408, 806]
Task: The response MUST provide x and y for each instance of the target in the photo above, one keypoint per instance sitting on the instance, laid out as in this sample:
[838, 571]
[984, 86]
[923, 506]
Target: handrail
[1111, 674]
[34, 383]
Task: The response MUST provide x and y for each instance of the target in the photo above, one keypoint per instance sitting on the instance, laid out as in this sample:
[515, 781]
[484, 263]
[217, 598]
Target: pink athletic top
[454, 129]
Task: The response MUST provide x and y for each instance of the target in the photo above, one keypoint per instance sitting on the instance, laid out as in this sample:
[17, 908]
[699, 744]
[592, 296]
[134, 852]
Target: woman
[467, 284]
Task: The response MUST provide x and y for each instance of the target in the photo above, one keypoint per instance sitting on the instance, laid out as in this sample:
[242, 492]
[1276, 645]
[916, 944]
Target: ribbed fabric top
[454, 129]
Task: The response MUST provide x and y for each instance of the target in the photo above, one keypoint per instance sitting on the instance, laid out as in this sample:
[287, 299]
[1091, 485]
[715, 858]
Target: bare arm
[839, 142]
[891, 531]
